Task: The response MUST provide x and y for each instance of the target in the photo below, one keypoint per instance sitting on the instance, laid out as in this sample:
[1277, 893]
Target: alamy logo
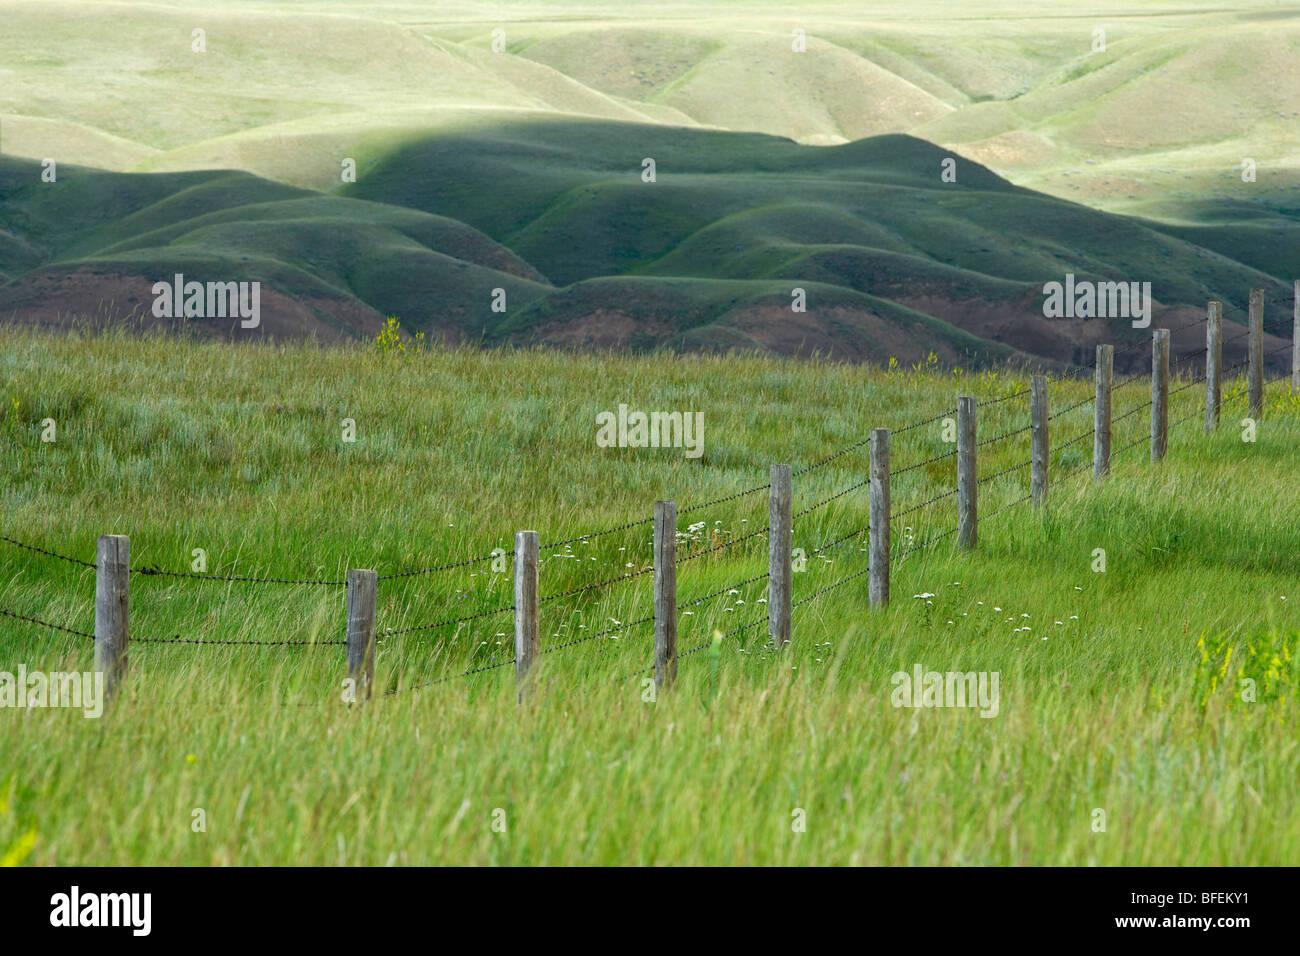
[923, 688]
[37, 689]
[1085, 299]
[213, 300]
[654, 430]
[75, 908]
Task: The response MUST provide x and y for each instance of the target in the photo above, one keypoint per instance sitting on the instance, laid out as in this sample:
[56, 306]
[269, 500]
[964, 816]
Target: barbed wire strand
[447, 623]
[149, 571]
[39, 622]
[52, 554]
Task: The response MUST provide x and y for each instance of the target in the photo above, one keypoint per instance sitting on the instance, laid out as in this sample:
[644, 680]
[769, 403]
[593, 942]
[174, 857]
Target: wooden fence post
[1101, 412]
[1159, 394]
[665, 557]
[112, 608]
[528, 638]
[1039, 419]
[967, 483]
[1295, 341]
[778, 555]
[1256, 346]
[878, 519]
[363, 587]
[1213, 364]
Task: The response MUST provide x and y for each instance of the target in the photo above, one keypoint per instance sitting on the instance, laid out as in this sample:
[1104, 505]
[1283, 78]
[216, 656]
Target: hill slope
[892, 259]
[1128, 105]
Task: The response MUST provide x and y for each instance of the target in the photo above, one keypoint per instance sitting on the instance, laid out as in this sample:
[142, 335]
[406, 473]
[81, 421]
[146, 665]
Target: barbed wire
[725, 590]
[928, 501]
[725, 498]
[447, 623]
[550, 648]
[735, 630]
[830, 587]
[1186, 418]
[923, 544]
[52, 554]
[229, 643]
[922, 464]
[829, 458]
[1079, 404]
[636, 673]
[995, 401]
[644, 521]
[1090, 433]
[447, 677]
[724, 545]
[838, 541]
[499, 552]
[599, 584]
[1004, 471]
[39, 622]
[1131, 411]
[149, 571]
[929, 421]
[1004, 435]
[1007, 506]
[826, 501]
[1135, 377]
[1070, 474]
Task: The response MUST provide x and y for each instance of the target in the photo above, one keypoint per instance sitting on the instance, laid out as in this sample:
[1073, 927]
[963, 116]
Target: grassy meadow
[1119, 689]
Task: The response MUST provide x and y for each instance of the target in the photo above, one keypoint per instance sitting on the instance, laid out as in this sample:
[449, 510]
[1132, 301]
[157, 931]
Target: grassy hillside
[512, 136]
[892, 259]
[1119, 690]
[1165, 113]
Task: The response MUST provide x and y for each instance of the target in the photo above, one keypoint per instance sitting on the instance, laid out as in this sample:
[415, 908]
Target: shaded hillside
[892, 259]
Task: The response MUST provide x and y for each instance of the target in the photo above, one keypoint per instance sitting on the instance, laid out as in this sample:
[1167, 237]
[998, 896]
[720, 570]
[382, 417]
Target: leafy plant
[1266, 661]
[389, 339]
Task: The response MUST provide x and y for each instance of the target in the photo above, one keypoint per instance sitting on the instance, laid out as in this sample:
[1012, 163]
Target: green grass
[237, 450]
[1014, 85]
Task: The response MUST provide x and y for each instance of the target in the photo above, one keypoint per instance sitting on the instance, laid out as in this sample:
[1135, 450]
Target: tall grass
[1108, 695]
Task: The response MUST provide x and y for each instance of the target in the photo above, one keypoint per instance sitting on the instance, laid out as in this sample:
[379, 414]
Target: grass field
[1119, 690]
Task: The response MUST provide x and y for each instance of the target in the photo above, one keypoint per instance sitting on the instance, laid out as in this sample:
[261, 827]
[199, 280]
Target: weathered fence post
[878, 519]
[967, 484]
[112, 607]
[528, 637]
[1040, 455]
[665, 558]
[1101, 412]
[1256, 345]
[363, 587]
[778, 555]
[1295, 341]
[1159, 394]
[1213, 364]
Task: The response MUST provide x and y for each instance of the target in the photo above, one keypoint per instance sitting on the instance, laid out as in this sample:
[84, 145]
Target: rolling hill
[1127, 105]
[892, 260]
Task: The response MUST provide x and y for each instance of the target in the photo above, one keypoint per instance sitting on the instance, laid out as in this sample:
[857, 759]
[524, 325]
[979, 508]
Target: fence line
[113, 569]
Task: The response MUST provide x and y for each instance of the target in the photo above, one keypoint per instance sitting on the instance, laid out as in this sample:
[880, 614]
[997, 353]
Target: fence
[113, 569]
